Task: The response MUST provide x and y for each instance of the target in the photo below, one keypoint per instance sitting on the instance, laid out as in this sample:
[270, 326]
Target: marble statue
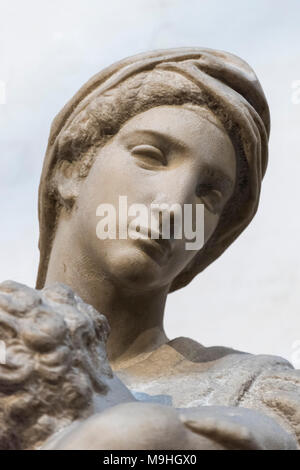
[89, 365]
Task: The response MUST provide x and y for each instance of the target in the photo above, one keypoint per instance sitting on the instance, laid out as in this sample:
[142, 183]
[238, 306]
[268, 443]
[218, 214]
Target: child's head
[55, 358]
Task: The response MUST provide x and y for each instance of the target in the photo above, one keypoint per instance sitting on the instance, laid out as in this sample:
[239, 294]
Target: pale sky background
[250, 297]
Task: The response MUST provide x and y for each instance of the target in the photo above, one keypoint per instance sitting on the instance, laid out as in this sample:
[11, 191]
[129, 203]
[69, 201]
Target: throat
[137, 350]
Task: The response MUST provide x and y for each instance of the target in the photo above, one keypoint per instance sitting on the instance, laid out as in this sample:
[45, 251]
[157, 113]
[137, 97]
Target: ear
[67, 182]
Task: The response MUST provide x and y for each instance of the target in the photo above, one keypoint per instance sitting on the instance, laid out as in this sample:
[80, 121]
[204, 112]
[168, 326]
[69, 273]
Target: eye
[211, 196]
[149, 154]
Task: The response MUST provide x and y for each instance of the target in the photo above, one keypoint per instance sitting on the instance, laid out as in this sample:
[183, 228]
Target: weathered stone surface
[56, 368]
[180, 126]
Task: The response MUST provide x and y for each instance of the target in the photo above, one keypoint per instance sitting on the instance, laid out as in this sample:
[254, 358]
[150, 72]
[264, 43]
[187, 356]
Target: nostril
[168, 219]
[163, 218]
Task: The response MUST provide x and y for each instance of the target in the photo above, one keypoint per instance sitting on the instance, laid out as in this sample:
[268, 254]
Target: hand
[151, 426]
[131, 426]
[237, 428]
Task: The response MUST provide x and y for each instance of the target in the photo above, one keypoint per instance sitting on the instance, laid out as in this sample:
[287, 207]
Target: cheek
[113, 174]
[103, 184]
[182, 256]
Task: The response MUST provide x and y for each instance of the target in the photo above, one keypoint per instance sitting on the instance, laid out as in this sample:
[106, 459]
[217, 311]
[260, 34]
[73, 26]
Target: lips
[154, 246]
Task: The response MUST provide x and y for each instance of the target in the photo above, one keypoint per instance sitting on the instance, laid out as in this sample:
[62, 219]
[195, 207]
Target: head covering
[230, 86]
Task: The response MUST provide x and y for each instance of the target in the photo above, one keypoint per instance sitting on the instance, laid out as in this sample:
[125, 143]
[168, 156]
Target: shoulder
[196, 352]
[250, 371]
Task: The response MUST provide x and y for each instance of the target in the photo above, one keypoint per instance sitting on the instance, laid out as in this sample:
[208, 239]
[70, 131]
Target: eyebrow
[167, 141]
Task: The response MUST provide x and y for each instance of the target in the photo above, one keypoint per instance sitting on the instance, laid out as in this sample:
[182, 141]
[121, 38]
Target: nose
[179, 188]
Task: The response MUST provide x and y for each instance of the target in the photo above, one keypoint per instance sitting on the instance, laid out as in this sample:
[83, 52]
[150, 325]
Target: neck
[135, 318]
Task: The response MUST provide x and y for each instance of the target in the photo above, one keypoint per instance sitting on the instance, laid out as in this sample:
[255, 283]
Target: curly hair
[55, 359]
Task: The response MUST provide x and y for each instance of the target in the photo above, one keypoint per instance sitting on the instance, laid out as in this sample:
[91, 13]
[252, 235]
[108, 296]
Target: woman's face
[168, 154]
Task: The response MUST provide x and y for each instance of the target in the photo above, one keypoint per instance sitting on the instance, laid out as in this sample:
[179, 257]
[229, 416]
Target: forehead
[189, 128]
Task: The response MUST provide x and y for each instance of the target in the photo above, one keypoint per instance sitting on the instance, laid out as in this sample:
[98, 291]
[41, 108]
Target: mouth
[159, 248]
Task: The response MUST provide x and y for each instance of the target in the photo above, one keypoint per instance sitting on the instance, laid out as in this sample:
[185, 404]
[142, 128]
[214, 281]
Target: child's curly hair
[55, 358]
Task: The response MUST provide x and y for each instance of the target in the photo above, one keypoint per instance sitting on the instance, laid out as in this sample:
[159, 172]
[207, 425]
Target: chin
[133, 268]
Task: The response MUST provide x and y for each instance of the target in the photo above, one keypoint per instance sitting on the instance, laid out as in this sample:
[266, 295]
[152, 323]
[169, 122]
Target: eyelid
[209, 192]
[149, 150]
[214, 207]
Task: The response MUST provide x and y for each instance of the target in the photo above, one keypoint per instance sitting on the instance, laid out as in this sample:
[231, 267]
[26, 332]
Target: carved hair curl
[55, 358]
